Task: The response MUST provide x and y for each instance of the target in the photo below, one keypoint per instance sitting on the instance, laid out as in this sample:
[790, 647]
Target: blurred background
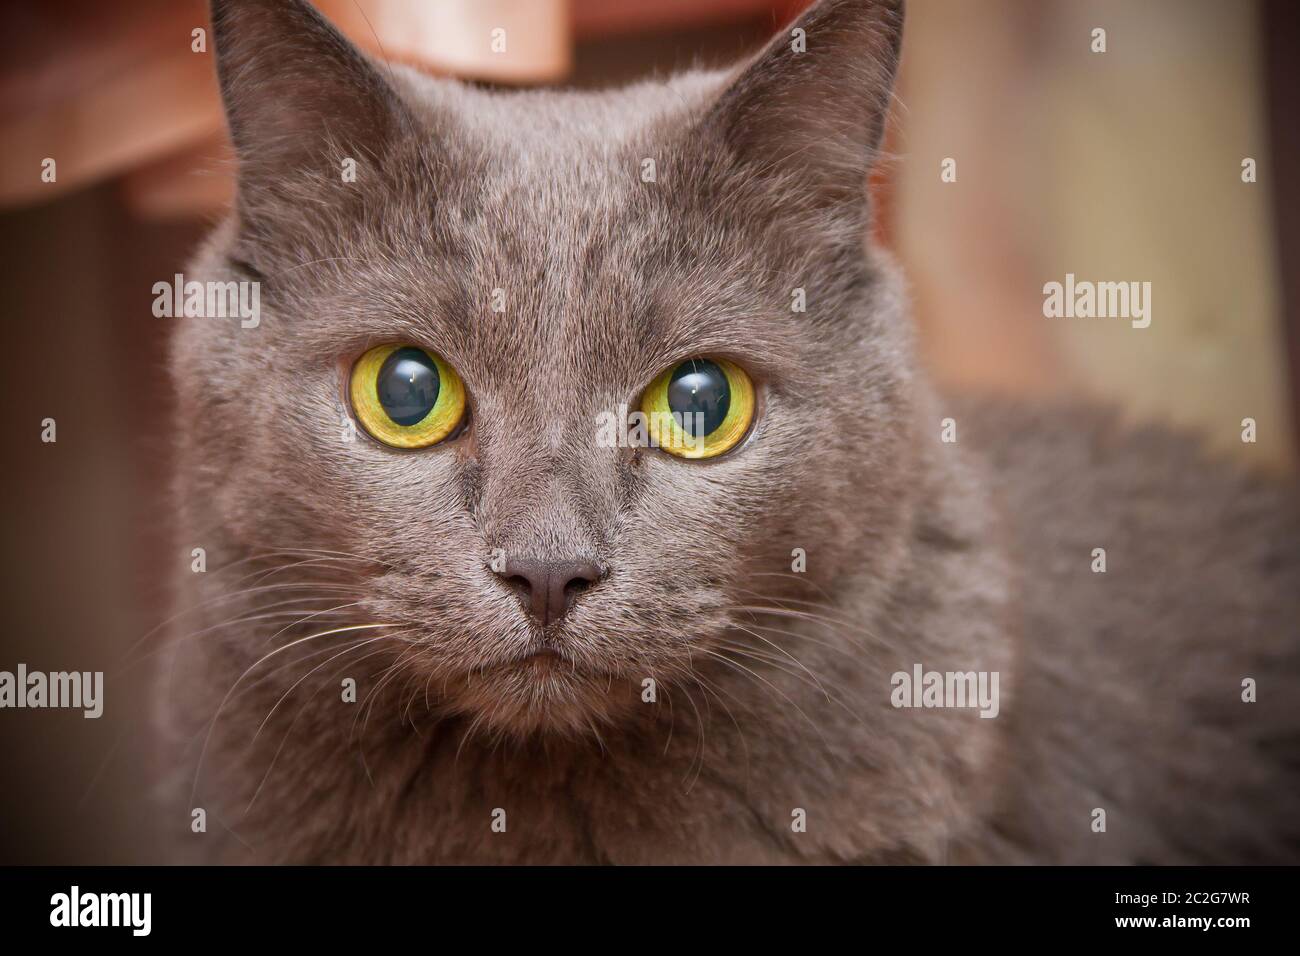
[1117, 166]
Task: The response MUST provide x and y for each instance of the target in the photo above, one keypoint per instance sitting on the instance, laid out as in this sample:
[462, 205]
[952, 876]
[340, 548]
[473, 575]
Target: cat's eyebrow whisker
[261, 660]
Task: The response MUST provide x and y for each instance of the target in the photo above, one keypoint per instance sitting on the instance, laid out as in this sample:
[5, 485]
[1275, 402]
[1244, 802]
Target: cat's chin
[543, 694]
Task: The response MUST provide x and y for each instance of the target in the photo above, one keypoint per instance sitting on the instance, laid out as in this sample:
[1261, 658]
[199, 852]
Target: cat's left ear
[810, 110]
[300, 99]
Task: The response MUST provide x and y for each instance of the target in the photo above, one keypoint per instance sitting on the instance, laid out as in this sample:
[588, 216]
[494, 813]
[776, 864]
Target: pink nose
[548, 588]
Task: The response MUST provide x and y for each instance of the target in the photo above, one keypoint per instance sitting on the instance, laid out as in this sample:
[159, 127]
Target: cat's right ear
[808, 113]
[300, 99]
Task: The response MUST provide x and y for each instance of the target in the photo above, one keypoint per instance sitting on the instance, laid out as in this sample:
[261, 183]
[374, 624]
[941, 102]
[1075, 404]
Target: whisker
[303, 709]
[800, 635]
[304, 620]
[736, 664]
[215, 599]
[791, 576]
[708, 686]
[775, 663]
[699, 755]
[217, 716]
[782, 650]
[229, 622]
[811, 608]
[294, 685]
[812, 618]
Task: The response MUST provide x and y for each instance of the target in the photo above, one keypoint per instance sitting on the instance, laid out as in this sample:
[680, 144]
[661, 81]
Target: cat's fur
[1119, 691]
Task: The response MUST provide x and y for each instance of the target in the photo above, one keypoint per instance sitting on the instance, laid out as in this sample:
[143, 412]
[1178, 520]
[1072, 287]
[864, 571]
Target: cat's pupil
[699, 387]
[408, 385]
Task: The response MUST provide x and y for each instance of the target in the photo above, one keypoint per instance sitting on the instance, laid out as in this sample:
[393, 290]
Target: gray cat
[446, 619]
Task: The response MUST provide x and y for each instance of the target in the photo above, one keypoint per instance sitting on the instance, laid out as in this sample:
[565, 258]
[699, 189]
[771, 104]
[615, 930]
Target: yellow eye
[699, 408]
[407, 397]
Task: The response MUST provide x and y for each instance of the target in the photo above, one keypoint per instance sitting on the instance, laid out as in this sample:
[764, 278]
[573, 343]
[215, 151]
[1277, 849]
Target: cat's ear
[810, 110]
[299, 97]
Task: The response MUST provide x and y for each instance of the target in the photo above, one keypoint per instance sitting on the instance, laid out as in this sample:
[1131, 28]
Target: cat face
[539, 260]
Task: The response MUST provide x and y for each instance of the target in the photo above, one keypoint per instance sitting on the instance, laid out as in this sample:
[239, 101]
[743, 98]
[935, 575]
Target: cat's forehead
[561, 238]
[599, 236]
[547, 178]
[550, 159]
[564, 237]
[544, 123]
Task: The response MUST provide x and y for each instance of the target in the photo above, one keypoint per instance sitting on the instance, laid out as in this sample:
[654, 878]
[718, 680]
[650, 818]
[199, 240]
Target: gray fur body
[1118, 690]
